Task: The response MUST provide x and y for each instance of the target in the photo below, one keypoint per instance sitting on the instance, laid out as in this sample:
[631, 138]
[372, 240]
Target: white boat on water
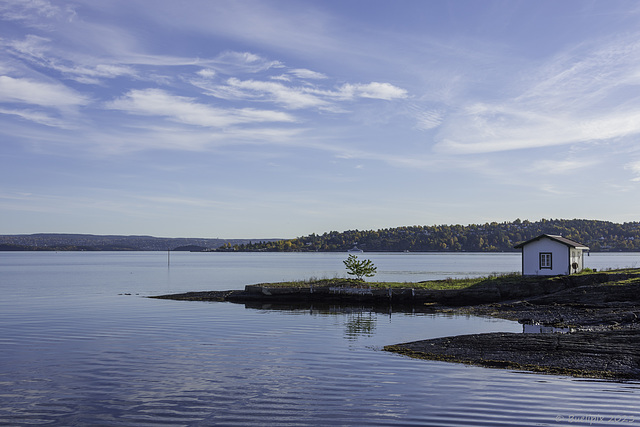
[355, 249]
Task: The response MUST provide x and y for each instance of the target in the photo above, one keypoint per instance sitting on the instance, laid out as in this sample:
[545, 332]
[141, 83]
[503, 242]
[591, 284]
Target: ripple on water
[141, 362]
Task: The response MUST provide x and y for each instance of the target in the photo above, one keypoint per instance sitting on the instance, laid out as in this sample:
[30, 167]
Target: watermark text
[597, 419]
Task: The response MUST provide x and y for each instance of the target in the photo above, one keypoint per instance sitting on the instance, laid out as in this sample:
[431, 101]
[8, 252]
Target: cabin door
[576, 261]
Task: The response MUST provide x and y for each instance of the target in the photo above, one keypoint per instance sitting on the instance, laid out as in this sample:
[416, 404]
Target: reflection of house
[541, 329]
[549, 255]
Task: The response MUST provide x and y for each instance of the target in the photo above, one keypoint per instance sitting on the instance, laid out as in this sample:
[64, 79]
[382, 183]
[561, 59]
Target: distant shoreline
[490, 237]
[22, 248]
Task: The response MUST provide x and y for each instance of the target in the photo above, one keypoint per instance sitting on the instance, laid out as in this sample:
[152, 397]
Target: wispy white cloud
[634, 167]
[295, 97]
[125, 61]
[290, 97]
[206, 73]
[84, 69]
[373, 90]
[226, 63]
[37, 117]
[171, 136]
[578, 96]
[32, 12]
[156, 102]
[39, 93]
[31, 47]
[561, 167]
[95, 74]
[232, 62]
[586, 75]
[429, 119]
[299, 73]
[303, 73]
[485, 129]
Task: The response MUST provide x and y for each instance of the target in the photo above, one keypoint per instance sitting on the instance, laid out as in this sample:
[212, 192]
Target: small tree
[360, 269]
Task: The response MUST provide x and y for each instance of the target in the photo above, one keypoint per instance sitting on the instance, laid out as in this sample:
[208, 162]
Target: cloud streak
[578, 97]
[31, 12]
[487, 129]
[300, 97]
[157, 102]
[27, 91]
[37, 117]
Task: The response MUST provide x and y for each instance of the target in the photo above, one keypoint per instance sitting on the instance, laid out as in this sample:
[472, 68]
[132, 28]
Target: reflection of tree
[360, 324]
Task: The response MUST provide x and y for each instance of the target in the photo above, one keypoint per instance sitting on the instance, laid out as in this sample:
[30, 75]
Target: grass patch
[444, 284]
[508, 279]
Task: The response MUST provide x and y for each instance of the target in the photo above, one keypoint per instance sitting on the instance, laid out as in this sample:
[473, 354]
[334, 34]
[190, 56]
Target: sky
[282, 118]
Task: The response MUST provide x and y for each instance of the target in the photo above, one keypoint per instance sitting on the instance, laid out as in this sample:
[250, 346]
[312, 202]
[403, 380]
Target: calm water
[76, 351]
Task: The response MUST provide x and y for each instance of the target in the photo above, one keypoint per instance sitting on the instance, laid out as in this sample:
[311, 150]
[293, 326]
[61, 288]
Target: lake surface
[75, 350]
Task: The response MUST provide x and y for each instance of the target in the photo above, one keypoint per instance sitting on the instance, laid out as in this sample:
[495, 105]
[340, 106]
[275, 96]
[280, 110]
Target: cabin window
[545, 260]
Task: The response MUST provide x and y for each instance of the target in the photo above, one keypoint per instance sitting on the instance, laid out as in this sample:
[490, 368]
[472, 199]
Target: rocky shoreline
[604, 341]
[612, 354]
[602, 311]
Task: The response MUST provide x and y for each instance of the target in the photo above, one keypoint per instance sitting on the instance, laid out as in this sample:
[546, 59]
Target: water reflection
[361, 320]
[327, 308]
[358, 321]
[541, 329]
[360, 324]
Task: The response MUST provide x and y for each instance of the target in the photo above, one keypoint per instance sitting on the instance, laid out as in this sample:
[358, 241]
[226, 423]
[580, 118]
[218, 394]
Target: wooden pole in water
[168, 257]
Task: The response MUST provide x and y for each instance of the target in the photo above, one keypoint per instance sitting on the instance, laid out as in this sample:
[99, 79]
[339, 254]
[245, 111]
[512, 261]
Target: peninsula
[599, 309]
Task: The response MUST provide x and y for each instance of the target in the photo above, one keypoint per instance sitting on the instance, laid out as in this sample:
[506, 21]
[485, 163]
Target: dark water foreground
[601, 309]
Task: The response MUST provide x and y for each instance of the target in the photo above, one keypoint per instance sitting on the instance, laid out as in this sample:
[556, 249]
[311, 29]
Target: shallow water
[75, 352]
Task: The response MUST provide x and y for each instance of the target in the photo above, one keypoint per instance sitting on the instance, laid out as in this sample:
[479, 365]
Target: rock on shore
[606, 343]
[605, 354]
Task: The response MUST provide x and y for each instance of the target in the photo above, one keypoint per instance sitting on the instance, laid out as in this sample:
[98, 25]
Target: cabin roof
[559, 239]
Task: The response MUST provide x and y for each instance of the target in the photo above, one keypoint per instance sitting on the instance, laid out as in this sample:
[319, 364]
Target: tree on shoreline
[359, 268]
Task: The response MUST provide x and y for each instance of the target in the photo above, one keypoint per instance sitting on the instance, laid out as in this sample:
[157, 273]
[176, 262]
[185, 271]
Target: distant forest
[600, 236]
[90, 242]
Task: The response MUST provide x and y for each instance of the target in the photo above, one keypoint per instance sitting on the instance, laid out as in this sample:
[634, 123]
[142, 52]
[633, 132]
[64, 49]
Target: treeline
[19, 248]
[489, 237]
[90, 242]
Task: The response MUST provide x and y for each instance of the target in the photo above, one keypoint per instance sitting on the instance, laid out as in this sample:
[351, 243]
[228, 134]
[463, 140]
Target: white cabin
[550, 255]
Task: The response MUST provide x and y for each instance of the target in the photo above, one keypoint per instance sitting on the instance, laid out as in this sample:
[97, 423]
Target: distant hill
[600, 236]
[90, 242]
[489, 237]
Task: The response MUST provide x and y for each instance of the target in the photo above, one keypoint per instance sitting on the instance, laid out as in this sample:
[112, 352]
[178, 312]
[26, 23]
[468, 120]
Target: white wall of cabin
[560, 262]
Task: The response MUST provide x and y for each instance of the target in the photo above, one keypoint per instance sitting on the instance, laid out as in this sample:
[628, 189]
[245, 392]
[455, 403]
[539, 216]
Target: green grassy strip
[449, 283]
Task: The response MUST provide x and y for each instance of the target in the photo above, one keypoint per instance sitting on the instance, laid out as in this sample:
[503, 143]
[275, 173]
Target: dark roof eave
[558, 239]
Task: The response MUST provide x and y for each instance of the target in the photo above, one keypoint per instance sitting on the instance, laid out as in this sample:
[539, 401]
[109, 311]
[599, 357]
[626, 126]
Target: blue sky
[259, 119]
